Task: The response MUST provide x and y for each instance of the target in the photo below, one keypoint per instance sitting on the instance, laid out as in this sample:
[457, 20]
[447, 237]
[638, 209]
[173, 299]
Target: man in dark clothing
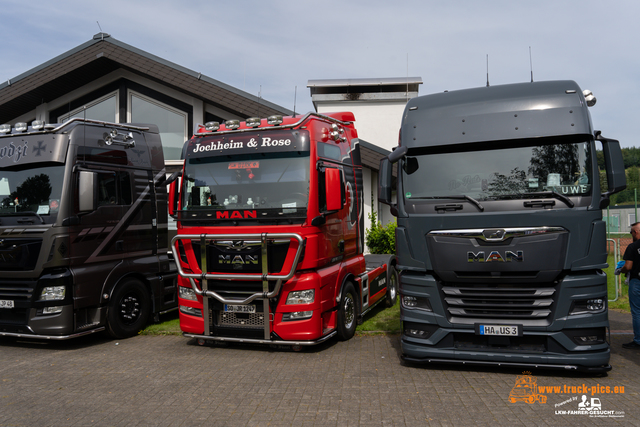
[632, 266]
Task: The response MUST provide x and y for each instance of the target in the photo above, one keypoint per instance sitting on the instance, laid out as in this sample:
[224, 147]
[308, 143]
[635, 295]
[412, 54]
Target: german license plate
[239, 308]
[6, 303]
[501, 330]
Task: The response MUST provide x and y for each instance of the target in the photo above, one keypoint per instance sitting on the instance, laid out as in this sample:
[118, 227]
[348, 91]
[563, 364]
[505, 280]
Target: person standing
[632, 267]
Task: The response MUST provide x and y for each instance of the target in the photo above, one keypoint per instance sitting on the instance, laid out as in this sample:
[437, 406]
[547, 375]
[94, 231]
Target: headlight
[187, 293]
[52, 293]
[592, 306]
[415, 302]
[301, 297]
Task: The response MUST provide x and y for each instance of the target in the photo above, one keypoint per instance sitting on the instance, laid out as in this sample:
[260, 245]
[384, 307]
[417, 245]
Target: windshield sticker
[533, 182]
[244, 165]
[408, 195]
[289, 205]
[43, 210]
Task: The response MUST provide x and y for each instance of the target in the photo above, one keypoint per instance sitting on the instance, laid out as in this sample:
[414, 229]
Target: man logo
[495, 256]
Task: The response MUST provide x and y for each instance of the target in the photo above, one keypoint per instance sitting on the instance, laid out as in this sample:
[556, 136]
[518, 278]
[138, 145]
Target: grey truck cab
[83, 229]
[500, 240]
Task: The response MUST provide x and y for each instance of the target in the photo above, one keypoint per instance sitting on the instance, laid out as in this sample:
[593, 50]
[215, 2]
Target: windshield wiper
[456, 197]
[25, 213]
[553, 194]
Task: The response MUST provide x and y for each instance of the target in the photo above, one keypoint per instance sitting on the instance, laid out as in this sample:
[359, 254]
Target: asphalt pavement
[171, 381]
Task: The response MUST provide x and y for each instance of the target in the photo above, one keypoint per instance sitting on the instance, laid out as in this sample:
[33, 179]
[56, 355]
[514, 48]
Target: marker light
[232, 124]
[37, 125]
[588, 96]
[21, 127]
[253, 122]
[212, 126]
[274, 120]
[5, 128]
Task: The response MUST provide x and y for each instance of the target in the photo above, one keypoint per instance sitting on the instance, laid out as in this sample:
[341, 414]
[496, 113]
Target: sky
[273, 48]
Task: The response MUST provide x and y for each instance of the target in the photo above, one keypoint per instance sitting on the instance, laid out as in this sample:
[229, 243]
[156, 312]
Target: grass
[387, 320]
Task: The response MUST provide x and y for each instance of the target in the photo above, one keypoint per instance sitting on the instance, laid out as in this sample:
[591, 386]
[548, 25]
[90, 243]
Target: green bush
[379, 239]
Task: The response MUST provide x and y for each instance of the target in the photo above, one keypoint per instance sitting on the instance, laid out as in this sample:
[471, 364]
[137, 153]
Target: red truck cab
[270, 235]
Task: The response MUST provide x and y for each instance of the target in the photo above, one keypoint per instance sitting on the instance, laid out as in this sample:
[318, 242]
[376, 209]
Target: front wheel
[347, 313]
[129, 309]
[392, 287]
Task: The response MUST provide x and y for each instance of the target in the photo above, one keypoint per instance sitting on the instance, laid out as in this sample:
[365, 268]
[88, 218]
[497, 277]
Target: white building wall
[377, 123]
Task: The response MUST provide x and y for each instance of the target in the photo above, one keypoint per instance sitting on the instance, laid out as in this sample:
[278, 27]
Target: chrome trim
[496, 234]
[265, 341]
[52, 337]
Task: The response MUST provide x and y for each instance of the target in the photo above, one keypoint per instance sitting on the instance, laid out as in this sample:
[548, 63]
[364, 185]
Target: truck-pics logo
[495, 256]
[526, 390]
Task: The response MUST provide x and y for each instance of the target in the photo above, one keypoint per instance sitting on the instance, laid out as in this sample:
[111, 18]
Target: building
[105, 79]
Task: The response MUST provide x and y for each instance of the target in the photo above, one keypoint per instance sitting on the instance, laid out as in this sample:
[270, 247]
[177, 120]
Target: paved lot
[170, 381]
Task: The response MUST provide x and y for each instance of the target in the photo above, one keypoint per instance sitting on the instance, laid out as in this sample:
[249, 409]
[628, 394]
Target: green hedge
[379, 239]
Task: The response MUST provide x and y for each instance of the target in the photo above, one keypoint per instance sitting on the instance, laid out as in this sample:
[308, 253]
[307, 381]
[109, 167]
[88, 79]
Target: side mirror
[334, 189]
[614, 164]
[87, 191]
[173, 197]
[384, 181]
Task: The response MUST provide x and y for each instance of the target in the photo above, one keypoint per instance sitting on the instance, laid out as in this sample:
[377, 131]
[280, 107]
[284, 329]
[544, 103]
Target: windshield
[37, 189]
[273, 183]
[563, 169]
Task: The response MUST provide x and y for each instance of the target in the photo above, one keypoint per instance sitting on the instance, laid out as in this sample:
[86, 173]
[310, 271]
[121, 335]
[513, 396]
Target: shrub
[379, 239]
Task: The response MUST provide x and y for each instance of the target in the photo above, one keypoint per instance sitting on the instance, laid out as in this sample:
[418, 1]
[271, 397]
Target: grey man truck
[83, 229]
[500, 241]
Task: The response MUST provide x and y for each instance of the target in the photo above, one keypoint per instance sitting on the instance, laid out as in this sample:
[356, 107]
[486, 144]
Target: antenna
[99, 26]
[295, 96]
[531, 64]
[487, 70]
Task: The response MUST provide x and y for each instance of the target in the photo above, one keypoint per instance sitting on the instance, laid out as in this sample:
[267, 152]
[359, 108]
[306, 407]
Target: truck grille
[241, 320]
[20, 292]
[499, 302]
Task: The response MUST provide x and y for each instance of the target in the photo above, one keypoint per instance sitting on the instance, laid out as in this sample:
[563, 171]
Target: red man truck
[270, 235]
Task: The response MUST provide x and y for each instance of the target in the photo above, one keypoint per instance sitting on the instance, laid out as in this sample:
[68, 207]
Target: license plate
[239, 308]
[501, 330]
[6, 303]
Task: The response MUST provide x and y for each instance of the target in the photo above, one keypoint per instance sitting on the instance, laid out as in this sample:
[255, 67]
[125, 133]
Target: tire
[392, 287]
[348, 313]
[129, 309]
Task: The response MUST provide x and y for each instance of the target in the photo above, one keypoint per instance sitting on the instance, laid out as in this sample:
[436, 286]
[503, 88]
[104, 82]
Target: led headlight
[187, 293]
[52, 293]
[301, 297]
[409, 301]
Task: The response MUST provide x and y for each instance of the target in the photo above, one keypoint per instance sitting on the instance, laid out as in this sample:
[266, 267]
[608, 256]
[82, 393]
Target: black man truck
[83, 229]
[500, 240]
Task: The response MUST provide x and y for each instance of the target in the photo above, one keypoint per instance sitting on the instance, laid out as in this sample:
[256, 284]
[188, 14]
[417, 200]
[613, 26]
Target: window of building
[104, 108]
[171, 122]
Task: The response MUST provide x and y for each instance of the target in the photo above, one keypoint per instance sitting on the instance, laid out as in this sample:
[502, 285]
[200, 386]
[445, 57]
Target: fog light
[253, 122]
[37, 125]
[191, 311]
[595, 304]
[232, 124]
[187, 293]
[52, 310]
[297, 315]
[590, 339]
[274, 120]
[21, 127]
[5, 128]
[212, 126]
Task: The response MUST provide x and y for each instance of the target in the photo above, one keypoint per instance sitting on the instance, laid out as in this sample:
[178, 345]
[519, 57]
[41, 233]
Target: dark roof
[104, 54]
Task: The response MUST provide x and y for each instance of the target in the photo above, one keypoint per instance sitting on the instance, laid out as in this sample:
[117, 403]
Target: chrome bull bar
[265, 277]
